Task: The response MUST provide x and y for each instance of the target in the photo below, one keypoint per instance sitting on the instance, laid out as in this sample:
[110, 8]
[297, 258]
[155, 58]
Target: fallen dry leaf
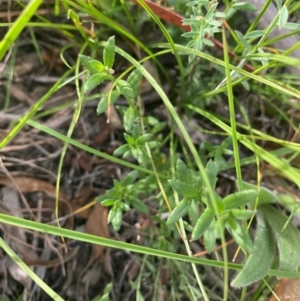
[287, 289]
[97, 225]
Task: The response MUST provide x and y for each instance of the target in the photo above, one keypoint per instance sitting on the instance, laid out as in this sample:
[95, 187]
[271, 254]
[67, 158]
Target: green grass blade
[279, 86]
[284, 168]
[33, 110]
[232, 114]
[18, 26]
[88, 149]
[19, 222]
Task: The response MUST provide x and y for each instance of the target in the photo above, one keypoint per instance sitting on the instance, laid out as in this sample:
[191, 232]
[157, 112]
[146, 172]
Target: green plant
[202, 25]
[209, 217]
[124, 194]
[181, 180]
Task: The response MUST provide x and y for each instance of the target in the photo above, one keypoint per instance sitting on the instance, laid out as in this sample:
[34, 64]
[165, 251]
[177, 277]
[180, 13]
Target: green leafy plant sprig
[190, 185]
[272, 226]
[202, 25]
[139, 131]
[121, 197]
[206, 217]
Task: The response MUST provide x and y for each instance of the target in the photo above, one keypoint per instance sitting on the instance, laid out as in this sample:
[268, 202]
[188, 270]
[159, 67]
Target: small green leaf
[139, 296]
[184, 189]
[121, 150]
[95, 80]
[138, 154]
[108, 202]
[203, 223]
[219, 202]
[128, 154]
[158, 127]
[108, 288]
[239, 199]
[187, 225]
[103, 104]
[130, 178]
[254, 34]
[87, 62]
[242, 39]
[117, 219]
[125, 89]
[129, 139]
[194, 211]
[244, 6]
[283, 17]
[151, 120]
[134, 80]
[139, 205]
[242, 214]
[105, 295]
[179, 211]
[240, 234]
[97, 65]
[113, 193]
[292, 26]
[230, 12]
[279, 4]
[144, 138]
[287, 238]
[153, 144]
[210, 237]
[117, 185]
[290, 202]
[211, 172]
[109, 52]
[111, 215]
[263, 60]
[260, 260]
[182, 171]
[129, 118]
[265, 195]
[124, 207]
[208, 42]
[72, 15]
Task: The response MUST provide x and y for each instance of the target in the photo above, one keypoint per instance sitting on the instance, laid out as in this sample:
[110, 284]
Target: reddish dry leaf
[97, 225]
[166, 14]
[287, 290]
